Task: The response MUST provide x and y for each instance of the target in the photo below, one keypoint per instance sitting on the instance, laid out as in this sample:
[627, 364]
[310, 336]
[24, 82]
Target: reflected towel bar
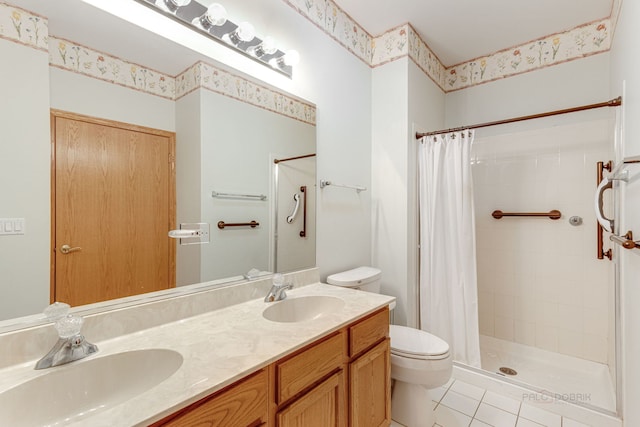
[625, 241]
[252, 224]
[554, 214]
[238, 196]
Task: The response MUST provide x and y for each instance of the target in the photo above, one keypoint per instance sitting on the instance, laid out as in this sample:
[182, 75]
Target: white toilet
[419, 360]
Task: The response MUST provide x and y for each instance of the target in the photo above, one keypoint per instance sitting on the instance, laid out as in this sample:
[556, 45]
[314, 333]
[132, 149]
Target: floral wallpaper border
[334, 21]
[30, 29]
[203, 75]
[24, 27]
[75, 57]
[582, 41]
[405, 41]
[579, 42]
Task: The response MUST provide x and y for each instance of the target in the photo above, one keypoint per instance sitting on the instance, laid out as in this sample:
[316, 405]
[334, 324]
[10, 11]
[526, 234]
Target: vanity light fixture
[289, 59]
[244, 33]
[267, 47]
[212, 21]
[171, 5]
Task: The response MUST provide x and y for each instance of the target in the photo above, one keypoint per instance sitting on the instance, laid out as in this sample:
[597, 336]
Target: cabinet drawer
[309, 366]
[368, 332]
[241, 405]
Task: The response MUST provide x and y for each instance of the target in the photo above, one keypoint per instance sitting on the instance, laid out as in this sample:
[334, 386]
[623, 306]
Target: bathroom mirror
[229, 131]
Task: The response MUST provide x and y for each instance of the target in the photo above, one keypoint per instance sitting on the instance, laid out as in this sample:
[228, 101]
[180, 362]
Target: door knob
[65, 249]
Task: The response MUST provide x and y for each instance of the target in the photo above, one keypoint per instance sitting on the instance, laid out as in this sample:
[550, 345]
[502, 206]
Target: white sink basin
[68, 393]
[301, 309]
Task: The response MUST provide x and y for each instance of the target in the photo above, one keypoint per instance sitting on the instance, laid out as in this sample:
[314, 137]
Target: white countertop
[218, 347]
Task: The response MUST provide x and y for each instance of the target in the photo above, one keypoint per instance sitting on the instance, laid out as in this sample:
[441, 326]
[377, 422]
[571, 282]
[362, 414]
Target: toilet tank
[363, 278]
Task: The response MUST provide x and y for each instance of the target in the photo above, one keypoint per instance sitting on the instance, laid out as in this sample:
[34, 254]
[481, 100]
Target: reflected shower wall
[540, 283]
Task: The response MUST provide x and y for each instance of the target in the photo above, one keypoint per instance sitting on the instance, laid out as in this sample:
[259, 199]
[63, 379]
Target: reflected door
[114, 201]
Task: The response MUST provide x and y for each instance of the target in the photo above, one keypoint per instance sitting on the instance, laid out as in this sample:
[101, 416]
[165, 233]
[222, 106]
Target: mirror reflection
[114, 137]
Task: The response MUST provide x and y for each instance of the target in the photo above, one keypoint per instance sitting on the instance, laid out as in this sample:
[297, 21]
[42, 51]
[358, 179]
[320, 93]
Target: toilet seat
[416, 344]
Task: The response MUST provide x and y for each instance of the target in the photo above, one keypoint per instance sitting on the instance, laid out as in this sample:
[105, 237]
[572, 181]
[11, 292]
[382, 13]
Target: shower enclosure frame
[617, 303]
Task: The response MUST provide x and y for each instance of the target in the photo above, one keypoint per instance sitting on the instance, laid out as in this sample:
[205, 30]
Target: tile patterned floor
[459, 404]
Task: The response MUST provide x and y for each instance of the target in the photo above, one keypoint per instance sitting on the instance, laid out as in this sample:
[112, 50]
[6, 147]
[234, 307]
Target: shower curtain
[448, 284]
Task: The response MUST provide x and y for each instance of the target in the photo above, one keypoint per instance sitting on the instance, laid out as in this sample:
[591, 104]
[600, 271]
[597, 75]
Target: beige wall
[25, 176]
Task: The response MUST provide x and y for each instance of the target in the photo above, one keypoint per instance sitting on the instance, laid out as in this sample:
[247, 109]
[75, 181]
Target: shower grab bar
[601, 253]
[626, 241]
[252, 224]
[554, 214]
[303, 232]
[290, 218]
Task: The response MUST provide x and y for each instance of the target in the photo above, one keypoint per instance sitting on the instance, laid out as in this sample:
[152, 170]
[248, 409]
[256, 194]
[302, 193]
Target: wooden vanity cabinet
[310, 385]
[243, 404]
[370, 372]
[341, 380]
[323, 406]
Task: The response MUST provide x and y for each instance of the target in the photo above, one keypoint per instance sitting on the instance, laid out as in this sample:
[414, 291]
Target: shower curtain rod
[612, 103]
[276, 161]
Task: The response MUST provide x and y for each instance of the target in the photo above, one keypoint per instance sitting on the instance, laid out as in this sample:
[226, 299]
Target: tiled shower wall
[539, 281]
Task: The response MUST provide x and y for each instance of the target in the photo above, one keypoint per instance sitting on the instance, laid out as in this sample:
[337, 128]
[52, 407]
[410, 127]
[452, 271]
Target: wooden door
[114, 199]
[323, 406]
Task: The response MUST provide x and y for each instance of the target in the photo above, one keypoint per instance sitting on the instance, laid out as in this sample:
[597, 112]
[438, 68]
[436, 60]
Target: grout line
[478, 408]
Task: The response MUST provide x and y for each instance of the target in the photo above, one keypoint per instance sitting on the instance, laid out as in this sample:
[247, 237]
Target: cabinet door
[370, 385]
[323, 406]
[242, 405]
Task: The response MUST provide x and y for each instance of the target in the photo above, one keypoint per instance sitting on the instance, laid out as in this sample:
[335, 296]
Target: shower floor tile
[560, 375]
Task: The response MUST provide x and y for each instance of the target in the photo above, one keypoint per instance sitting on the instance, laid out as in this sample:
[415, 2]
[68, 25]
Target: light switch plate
[12, 226]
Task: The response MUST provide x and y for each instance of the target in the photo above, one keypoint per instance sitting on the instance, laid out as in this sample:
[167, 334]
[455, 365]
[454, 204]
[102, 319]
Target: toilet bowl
[419, 360]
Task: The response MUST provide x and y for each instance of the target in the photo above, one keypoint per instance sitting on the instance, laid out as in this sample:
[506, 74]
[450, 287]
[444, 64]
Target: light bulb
[245, 31]
[291, 58]
[269, 45]
[216, 14]
[171, 5]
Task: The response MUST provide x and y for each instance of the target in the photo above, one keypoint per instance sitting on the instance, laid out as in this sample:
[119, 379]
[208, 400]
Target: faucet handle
[56, 311]
[278, 279]
[69, 326]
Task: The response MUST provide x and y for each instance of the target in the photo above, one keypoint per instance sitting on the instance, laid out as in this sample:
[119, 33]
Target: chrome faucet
[71, 344]
[278, 290]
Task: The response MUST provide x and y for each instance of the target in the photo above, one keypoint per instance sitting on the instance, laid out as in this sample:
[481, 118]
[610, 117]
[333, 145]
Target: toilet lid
[417, 344]
[353, 278]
